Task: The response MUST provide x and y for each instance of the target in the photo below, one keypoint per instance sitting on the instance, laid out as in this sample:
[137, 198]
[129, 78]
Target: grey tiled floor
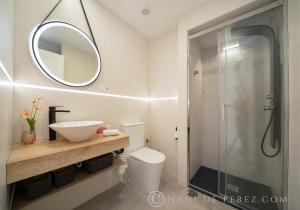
[124, 197]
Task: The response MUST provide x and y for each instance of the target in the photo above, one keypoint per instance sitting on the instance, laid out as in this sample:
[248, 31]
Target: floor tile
[125, 197]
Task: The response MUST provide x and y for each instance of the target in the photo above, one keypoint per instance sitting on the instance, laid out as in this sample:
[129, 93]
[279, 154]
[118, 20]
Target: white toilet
[144, 164]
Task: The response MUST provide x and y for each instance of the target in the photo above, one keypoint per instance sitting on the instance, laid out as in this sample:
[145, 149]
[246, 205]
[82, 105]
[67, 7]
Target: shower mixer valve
[269, 107]
[269, 96]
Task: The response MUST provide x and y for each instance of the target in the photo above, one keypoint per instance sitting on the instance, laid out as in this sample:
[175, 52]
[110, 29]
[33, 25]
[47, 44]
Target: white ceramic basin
[76, 131]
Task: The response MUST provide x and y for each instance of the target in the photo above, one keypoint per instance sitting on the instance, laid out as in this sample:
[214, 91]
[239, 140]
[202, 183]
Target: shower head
[256, 30]
[195, 73]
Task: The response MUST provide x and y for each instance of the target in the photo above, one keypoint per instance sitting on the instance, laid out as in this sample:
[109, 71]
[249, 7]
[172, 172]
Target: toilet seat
[148, 156]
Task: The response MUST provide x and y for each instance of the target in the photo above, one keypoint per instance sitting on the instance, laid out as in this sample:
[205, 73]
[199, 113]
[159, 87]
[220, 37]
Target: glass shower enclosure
[235, 112]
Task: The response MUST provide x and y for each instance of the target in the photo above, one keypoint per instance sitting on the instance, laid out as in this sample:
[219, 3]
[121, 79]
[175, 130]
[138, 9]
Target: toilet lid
[148, 155]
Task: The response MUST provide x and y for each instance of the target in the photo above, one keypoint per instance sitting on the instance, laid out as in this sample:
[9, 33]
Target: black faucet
[52, 119]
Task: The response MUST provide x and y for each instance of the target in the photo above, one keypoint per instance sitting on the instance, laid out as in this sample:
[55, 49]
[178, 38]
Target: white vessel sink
[76, 131]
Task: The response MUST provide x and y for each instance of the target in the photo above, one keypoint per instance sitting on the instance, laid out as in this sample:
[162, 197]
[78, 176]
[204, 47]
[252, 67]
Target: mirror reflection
[66, 54]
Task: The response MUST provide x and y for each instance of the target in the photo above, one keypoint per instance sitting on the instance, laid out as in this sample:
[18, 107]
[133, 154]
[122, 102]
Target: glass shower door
[250, 125]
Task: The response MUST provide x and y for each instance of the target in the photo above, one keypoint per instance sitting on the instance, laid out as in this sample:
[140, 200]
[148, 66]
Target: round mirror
[65, 54]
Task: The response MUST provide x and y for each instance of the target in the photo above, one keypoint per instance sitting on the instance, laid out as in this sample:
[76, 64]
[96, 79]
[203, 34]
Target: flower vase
[28, 135]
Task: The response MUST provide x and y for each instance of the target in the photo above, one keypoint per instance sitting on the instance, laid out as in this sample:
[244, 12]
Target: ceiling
[163, 15]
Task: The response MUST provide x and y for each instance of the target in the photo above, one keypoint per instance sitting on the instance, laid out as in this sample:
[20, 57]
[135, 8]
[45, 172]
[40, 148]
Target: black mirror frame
[46, 72]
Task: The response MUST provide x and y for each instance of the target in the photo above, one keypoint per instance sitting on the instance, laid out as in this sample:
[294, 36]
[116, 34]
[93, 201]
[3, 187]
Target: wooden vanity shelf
[27, 161]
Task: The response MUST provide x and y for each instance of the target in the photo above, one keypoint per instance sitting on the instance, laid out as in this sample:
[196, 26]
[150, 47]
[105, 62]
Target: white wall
[294, 104]
[6, 31]
[204, 108]
[6, 93]
[124, 54]
[162, 83]
[210, 112]
[6, 104]
[196, 126]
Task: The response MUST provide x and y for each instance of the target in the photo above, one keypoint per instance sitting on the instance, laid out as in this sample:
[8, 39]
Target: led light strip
[164, 99]
[79, 91]
[82, 91]
[6, 73]
[94, 93]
